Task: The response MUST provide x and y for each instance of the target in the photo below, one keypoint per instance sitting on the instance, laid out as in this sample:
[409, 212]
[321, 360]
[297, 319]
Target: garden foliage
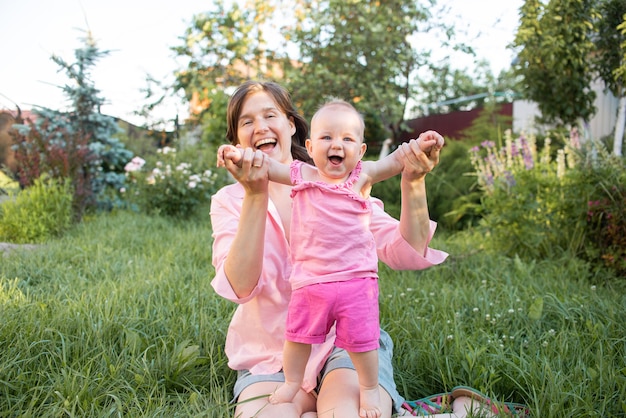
[538, 203]
[169, 185]
[79, 144]
[55, 152]
[38, 213]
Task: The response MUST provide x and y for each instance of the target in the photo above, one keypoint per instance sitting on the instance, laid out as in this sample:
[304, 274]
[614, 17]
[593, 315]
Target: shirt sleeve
[225, 211]
[393, 249]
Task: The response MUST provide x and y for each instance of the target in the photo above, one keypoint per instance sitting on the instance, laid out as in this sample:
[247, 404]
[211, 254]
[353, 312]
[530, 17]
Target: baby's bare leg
[295, 357]
[366, 365]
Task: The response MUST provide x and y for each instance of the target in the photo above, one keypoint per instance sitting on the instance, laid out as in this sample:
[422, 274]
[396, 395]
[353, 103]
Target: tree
[620, 74]
[222, 48]
[79, 143]
[555, 45]
[361, 52]
[610, 56]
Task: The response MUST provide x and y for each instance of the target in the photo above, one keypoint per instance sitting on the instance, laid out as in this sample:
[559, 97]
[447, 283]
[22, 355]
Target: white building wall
[601, 124]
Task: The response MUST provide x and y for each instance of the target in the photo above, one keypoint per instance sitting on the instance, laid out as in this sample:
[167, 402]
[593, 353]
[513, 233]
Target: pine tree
[82, 133]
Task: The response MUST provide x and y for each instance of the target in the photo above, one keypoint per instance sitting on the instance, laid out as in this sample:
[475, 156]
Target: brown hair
[283, 100]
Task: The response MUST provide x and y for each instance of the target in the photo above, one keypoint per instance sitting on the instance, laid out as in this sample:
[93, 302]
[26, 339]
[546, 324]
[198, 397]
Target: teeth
[265, 141]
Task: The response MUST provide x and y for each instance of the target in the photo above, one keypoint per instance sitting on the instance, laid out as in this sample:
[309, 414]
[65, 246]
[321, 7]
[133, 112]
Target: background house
[602, 124]
[523, 114]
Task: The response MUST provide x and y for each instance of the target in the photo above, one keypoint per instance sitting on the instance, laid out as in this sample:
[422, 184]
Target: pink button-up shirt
[256, 332]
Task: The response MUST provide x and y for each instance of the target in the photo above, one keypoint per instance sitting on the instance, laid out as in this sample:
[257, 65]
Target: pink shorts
[352, 304]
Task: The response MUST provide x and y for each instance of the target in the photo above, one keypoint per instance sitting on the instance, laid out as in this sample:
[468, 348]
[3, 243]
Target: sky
[140, 33]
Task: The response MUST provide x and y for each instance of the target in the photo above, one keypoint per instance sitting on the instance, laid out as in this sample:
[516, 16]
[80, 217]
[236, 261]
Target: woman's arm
[244, 262]
[403, 245]
[414, 217]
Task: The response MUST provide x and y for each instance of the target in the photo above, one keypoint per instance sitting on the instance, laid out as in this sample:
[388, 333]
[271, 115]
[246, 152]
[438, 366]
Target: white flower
[192, 184]
[166, 150]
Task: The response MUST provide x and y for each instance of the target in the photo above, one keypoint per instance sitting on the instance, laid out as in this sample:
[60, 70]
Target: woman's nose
[260, 125]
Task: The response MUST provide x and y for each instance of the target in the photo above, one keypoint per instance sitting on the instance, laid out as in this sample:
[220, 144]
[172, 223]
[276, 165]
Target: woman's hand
[421, 155]
[251, 170]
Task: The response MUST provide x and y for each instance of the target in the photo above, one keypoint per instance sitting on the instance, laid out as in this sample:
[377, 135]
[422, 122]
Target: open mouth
[265, 144]
[335, 159]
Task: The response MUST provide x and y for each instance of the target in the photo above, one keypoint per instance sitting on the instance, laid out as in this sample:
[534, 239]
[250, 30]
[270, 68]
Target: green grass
[117, 318]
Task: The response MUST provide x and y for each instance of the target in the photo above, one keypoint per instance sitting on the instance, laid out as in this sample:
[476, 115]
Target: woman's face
[263, 126]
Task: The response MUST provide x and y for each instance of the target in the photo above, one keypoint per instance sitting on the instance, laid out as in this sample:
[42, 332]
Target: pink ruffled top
[330, 231]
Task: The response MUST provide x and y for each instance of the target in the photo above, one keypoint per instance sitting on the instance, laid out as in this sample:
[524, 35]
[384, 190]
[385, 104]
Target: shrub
[451, 200]
[42, 211]
[171, 187]
[536, 205]
[524, 193]
[606, 214]
[46, 149]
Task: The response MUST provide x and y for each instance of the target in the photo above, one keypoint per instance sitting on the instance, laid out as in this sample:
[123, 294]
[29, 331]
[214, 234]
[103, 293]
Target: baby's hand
[430, 140]
[228, 152]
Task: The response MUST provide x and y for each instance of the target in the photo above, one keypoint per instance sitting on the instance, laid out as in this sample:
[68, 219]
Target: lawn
[117, 318]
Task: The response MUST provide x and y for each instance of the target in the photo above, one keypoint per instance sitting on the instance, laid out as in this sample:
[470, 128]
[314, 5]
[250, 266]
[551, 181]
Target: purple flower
[510, 179]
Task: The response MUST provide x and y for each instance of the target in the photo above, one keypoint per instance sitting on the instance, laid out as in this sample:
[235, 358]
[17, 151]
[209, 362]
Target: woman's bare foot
[464, 406]
[370, 403]
[285, 393]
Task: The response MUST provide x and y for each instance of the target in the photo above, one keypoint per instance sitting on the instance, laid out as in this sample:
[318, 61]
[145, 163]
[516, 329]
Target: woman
[251, 222]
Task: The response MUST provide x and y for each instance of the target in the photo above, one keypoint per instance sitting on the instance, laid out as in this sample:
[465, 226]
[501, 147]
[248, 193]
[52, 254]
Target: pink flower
[135, 164]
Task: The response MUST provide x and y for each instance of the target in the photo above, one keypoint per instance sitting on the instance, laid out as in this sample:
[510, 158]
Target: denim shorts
[338, 359]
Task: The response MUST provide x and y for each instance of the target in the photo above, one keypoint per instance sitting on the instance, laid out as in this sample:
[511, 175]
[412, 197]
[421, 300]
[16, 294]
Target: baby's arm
[228, 152]
[277, 172]
[392, 164]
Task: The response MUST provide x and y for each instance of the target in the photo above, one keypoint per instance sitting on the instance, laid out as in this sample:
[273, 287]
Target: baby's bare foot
[370, 403]
[285, 393]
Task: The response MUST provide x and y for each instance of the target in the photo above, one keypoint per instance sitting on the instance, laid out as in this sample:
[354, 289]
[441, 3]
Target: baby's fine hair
[335, 101]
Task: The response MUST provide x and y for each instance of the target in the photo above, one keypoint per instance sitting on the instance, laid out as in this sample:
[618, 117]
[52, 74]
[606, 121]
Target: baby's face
[336, 143]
